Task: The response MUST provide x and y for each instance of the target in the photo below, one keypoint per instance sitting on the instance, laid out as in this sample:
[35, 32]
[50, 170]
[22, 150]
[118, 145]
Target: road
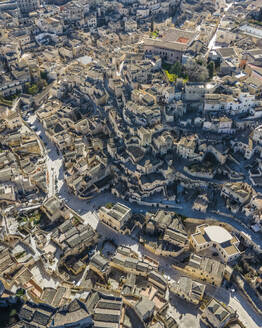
[87, 210]
[212, 42]
[246, 313]
[251, 235]
[54, 162]
[33, 245]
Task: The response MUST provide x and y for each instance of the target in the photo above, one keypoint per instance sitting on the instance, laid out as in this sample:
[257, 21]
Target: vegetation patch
[31, 89]
[171, 77]
[32, 218]
[154, 34]
[109, 205]
[194, 70]
[9, 315]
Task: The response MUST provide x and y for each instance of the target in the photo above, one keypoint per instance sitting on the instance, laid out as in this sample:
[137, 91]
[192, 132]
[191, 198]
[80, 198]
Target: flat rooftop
[217, 234]
[200, 239]
[180, 36]
[231, 250]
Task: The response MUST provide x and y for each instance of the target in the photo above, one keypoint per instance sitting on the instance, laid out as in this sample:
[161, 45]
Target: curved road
[87, 210]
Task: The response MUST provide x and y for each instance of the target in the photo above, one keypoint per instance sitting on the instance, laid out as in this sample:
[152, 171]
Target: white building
[91, 21]
[130, 25]
[244, 148]
[26, 6]
[225, 125]
[168, 94]
[244, 103]
[253, 30]
[115, 217]
[188, 289]
[142, 12]
[237, 191]
[186, 147]
[50, 25]
[218, 315]
[7, 192]
[75, 11]
[217, 238]
[257, 135]
[194, 91]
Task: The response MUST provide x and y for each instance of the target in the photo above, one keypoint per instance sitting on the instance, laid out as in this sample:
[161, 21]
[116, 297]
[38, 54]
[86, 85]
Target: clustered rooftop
[112, 106]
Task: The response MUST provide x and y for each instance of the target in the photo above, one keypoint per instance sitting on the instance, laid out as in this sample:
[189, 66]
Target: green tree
[260, 15]
[195, 72]
[20, 292]
[43, 75]
[176, 68]
[33, 89]
[211, 69]
[12, 313]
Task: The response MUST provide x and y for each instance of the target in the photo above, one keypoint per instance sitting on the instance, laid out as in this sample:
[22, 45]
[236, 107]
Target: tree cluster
[194, 70]
[259, 18]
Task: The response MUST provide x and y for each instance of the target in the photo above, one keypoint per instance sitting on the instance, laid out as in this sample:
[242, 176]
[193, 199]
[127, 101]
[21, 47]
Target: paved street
[54, 160]
[160, 103]
[185, 314]
[87, 210]
[212, 42]
[246, 313]
[55, 169]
